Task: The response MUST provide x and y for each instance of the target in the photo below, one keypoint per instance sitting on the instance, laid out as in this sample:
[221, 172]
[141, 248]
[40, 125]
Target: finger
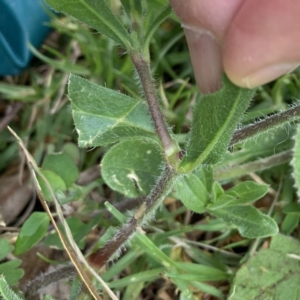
[262, 41]
[205, 23]
[206, 57]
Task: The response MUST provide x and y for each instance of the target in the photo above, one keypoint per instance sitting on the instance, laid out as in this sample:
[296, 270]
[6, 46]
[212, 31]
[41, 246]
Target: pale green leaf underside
[6, 292]
[248, 191]
[250, 222]
[245, 192]
[271, 274]
[296, 161]
[192, 192]
[96, 14]
[132, 167]
[103, 116]
[214, 119]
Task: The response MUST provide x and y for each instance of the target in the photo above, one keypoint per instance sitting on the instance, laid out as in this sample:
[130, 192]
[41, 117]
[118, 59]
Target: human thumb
[262, 42]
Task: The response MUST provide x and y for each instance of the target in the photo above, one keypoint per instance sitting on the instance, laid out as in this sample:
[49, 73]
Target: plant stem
[269, 123]
[170, 147]
[254, 166]
[140, 218]
[166, 181]
[43, 280]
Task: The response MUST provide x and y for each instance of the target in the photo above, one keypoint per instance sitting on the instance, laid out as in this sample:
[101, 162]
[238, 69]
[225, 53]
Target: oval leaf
[271, 274]
[132, 167]
[245, 192]
[248, 191]
[56, 183]
[250, 222]
[32, 231]
[192, 193]
[62, 165]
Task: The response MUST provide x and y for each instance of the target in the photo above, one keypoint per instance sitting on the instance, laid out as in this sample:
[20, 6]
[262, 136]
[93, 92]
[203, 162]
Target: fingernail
[267, 74]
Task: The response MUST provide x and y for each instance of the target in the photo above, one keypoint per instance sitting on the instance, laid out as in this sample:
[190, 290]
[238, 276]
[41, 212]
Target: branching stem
[141, 217]
[170, 147]
[290, 115]
[164, 184]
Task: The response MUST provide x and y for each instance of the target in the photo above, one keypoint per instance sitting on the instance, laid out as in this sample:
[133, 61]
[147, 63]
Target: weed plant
[175, 195]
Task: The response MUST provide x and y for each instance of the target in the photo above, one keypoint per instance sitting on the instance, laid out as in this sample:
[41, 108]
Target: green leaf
[271, 274]
[155, 24]
[206, 175]
[217, 191]
[103, 116]
[208, 289]
[192, 192]
[185, 290]
[194, 189]
[132, 167]
[197, 277]
[248, 191]
[77, 227]
[11, 271]
[5, 291]
[97, 14]
[56, 183]
[32, 231]
[202, 272]
[64, 64]
[133, 7]
[48, 297]
[72, 150]
[18, 92]
[250, 222]
[5, 247]
[289, 223]
[74, 193]
[149, 275]
[264, 146]
[76, 288]
[296, 161]
[214, 119]
[245, 192]
[223, 200]
[63, 166]
[292, 208]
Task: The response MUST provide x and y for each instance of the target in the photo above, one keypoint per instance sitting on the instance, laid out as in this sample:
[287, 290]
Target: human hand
[253, 41]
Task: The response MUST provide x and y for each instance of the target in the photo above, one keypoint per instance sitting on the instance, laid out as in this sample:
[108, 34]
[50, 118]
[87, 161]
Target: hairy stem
[254, 166]
[141, 217]
[269, 123]
[42, 281]
[164, 184]
[170, 148]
